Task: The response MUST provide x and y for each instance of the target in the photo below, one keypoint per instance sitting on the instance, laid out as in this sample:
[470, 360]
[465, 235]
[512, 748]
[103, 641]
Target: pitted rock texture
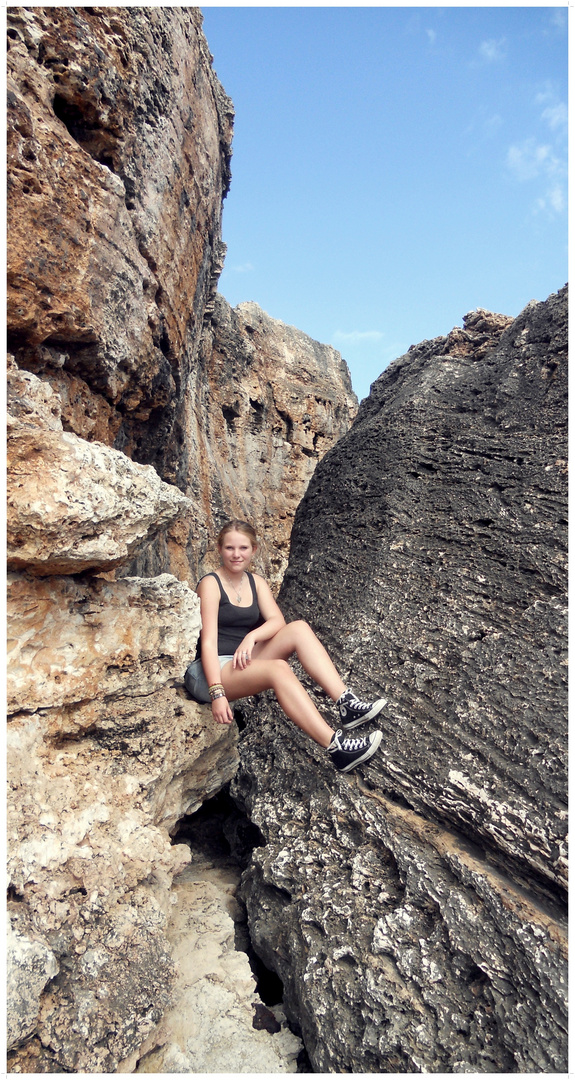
[438, 526]
[74, 505]
[401, 948]
[105, 754]
[118, 161]
[264, 405]
[415, 910]
[79, 639]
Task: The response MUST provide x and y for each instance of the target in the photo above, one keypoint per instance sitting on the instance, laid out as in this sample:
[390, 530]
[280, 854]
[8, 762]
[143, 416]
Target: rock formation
[104, 749]
[118, 384]
[119, 158]
[268, 402]
[415, 910]
[119, 150]
[213, 1024]
[73, 504]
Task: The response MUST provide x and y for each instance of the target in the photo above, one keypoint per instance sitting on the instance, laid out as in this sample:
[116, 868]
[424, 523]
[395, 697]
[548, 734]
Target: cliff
[267, 403]
[119, 385]
[119, 147]
[416, 911]
[119, 140]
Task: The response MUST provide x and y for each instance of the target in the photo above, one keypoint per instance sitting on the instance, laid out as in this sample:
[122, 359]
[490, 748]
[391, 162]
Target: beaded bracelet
[216, 690]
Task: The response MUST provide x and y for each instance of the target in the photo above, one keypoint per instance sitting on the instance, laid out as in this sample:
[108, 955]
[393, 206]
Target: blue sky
[393, 167]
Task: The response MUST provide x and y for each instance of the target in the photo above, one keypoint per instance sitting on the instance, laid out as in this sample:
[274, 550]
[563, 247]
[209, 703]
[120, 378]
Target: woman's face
[236, 551]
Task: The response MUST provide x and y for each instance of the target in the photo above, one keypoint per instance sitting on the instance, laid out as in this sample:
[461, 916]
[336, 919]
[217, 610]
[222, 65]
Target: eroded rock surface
[119, 159]
[450, 489]
[210, 1026]
[415, 911]
[74, 505]
[105, 752]
[263, 407]
[400, 946]
[119, 149]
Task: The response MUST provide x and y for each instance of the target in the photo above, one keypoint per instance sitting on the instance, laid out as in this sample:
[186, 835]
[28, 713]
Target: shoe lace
[354, 744]
[357, 704]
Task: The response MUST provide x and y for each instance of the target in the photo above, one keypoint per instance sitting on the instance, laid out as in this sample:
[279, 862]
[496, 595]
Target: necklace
[236, 588]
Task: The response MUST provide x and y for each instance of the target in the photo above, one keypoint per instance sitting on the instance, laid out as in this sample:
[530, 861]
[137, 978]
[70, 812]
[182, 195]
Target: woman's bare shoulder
[208, 584]
[259, 580]
[265, 594]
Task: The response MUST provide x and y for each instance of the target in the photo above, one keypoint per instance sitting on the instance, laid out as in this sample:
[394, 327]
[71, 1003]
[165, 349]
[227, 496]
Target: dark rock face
[439, 527]
[415, 909]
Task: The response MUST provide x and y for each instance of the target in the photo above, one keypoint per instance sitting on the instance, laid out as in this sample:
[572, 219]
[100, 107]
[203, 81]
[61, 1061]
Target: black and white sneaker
[347, 753]
[354, 712]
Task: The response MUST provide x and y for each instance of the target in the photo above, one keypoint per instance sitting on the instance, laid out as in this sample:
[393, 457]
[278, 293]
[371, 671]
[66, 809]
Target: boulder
[450, 490]
[415, 910]
[74, 505]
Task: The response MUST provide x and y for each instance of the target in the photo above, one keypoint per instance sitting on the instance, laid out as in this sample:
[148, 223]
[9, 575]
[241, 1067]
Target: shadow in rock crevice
[222, 836]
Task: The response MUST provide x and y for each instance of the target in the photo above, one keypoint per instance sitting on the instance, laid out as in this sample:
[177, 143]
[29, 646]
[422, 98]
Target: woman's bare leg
[298, 637]
[275, 674]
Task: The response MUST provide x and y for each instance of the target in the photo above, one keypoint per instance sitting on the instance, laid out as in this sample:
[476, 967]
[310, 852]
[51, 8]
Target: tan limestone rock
[75, 640]
[91, 865]
[265, 404]
[74, 505]
[210, 1025]
[29, 966]
[105, 753]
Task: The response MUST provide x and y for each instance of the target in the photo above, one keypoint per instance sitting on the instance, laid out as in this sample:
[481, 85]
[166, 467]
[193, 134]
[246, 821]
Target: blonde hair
[238, 526]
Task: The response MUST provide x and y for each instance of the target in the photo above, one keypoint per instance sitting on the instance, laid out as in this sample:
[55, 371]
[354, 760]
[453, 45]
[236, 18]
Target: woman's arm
[209, 594]
[274, 621]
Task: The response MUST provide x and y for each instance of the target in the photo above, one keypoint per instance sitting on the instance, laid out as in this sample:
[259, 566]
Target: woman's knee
[280, 671]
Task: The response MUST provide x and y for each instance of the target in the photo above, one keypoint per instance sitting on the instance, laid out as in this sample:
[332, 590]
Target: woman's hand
[243, 654]
[221, 711]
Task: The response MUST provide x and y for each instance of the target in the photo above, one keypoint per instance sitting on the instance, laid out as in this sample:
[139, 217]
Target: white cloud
[556, 116]
[492, 50]
[431, 34]
[530, 159]
[543, 160]
[555, 113]
[556, 198]
[533, 161]
[554, 201]
[559, 19]
[546, 95]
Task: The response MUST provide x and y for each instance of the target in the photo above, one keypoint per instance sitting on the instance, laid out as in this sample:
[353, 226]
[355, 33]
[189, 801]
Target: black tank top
[234, 622]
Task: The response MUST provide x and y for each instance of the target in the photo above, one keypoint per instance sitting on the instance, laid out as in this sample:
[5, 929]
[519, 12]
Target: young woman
[244, 647]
